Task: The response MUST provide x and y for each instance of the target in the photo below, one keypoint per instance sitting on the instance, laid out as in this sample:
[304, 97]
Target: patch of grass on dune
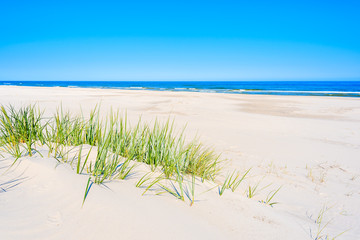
[157, 145]
[20, 129]
[117, 145]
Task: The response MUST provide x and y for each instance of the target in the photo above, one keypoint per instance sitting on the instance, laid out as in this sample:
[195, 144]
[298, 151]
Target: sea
[298, 88]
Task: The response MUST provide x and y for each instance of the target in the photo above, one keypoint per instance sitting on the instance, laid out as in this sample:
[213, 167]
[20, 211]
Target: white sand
[308, 145]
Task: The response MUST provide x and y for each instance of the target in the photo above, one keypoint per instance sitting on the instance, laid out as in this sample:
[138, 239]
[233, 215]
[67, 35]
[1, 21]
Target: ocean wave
[137, 88]
[342, 89]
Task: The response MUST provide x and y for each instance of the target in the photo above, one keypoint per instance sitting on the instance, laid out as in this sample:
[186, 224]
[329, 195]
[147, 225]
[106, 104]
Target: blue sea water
[301, 88]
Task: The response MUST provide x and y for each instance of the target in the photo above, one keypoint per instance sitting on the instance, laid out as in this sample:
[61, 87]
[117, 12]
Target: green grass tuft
[158, 145]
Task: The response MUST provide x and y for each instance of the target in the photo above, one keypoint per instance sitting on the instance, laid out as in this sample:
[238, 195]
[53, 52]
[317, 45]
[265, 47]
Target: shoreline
[282, 88]
[180, 92]
[308, 145]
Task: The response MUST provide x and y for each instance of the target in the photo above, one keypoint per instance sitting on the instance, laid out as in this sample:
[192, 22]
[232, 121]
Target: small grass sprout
[270, 196]
[235, 182]
[252, 191]
[232, 181]
[224, 186]
[321, 226]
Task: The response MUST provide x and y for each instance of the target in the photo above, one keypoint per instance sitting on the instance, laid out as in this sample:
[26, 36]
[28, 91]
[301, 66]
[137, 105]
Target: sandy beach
[309, 146]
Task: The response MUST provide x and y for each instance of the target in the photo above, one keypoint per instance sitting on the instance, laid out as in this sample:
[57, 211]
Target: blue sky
[179, 40]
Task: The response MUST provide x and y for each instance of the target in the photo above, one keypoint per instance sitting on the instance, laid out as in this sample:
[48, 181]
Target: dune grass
[117, 146]
[255, 189]
[20, 129]
[232, 181]
[145, 178]
[178, 187]
[269, 198]
[157, 145]
[80, 165]
[321, 226]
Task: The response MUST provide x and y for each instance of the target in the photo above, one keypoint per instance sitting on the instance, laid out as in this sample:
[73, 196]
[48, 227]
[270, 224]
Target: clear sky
[179, 40]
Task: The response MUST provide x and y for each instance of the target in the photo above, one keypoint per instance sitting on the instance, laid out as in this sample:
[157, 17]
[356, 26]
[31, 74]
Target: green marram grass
[117, 146]
[20, 129]
[232, 181]
[157, 145]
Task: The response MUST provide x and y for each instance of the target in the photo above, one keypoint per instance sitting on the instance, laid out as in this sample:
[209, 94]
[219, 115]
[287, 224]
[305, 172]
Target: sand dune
[308, 145]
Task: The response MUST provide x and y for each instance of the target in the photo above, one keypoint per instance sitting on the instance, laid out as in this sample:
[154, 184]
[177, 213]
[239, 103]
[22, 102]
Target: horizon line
[199, 80]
